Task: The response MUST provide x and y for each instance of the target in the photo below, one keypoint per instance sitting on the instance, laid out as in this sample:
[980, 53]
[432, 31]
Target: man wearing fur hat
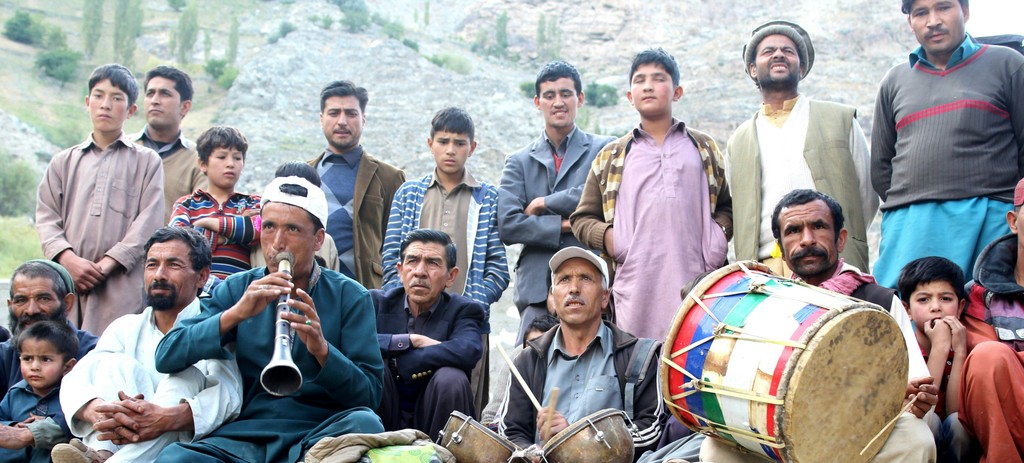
[794, 142]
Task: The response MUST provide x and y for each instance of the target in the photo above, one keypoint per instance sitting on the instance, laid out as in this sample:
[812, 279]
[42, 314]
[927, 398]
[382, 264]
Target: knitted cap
[804, 47]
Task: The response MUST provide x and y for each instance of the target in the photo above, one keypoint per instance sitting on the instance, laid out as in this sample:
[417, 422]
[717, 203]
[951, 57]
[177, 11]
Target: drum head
[818, 423]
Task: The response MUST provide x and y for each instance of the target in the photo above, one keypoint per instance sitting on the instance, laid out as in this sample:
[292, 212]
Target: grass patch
[18, 243]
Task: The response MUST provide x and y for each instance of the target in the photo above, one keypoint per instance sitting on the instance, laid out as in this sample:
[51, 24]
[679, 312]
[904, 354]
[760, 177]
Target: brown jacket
[376, 183]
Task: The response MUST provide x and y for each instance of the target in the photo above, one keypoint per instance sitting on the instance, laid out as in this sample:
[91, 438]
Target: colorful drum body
[472, 442]
[782, 369]
[599, 437]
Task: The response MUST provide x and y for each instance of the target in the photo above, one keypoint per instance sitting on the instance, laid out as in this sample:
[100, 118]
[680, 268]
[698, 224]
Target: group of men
[611, 230]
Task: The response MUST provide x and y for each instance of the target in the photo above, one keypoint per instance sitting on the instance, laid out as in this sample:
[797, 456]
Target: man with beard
[808, 227]
[794, 142]
[115, 399]
[40, 290]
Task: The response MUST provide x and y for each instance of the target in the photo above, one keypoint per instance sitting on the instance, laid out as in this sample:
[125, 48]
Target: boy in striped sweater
[228, 219]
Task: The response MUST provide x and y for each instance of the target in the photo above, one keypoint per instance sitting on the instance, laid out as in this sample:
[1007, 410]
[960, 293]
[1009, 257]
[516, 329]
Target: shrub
[283, 30]
[23, 28]
[454, 63]
[227, 78]
[601, 95]
[18, 182]
[411, 44]
[528, 88]
[215, 68]
[176, 5]
[356, 20]
[61, 64]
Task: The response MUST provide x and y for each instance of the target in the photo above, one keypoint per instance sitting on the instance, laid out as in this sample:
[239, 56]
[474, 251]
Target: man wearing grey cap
[794, 142]
[587, 358]
[334, 345]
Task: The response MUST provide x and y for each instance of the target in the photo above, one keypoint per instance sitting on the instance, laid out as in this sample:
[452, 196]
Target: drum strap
[643, 354]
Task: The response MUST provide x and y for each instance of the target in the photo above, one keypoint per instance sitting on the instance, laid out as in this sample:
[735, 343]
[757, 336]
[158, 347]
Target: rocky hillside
[275, 98]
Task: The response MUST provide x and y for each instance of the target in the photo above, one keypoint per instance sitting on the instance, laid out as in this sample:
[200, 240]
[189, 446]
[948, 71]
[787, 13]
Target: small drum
[471, 442]
[599, 437]
[782, 369]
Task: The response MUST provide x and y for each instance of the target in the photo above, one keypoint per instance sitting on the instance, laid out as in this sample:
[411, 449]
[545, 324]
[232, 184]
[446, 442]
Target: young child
[932, 289]
[224, 216]
[99, 202]
[47, 350]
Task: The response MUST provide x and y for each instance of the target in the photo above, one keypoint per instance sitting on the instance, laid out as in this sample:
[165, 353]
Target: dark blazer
[530, 173]
[457, 322]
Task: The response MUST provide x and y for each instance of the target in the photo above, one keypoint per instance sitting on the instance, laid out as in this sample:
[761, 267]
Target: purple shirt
[664, 233]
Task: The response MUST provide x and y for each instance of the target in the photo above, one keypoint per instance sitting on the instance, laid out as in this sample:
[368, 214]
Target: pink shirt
[664, 233]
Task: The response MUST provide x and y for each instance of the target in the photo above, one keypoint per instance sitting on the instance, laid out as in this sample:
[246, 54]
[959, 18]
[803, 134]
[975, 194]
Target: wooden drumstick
[522, 382]
[550, 412]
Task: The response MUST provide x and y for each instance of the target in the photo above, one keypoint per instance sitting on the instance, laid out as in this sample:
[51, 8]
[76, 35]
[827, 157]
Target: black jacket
[520, 419]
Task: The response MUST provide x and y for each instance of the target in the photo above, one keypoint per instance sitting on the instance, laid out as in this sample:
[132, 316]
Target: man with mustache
[794, 142]
[167, 100]
[590, 360]
[429, 338]
[808, 227]
[40, 290]
[114, 398]
[947, 144]
[358, 186]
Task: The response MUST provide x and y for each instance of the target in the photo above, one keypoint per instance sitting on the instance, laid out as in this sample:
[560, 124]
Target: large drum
[471, 442]
[783, 369]
[601, 437]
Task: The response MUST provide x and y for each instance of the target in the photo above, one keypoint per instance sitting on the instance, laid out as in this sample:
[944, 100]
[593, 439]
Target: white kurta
[124, 360]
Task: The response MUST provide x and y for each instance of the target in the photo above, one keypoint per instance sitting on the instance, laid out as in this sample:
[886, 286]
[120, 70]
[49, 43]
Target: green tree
[17, 186]
[60, 63]
[501, 35]
[426, 12]
[207, 45]
[127, 28]
[541, 35]
[92, 25]
[233, 42]
[24, 28]
[176, 5]
[188, 31]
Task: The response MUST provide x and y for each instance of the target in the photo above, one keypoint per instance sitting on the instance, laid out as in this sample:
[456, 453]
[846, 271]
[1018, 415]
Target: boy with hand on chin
[932, 290]
[47, 352]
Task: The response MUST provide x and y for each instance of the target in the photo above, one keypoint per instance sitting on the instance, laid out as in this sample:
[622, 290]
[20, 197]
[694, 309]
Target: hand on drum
[927, 395]
[557, 424]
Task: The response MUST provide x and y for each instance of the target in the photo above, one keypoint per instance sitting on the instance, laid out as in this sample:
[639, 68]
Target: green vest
[827, 152]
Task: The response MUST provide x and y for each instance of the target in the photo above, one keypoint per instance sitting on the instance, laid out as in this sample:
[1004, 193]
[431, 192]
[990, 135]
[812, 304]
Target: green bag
[402, 454]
